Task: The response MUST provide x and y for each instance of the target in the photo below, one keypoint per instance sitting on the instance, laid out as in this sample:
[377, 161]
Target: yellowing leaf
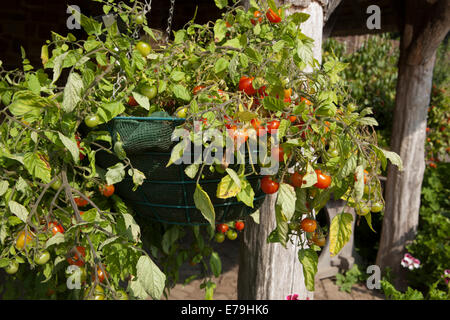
[227, 188]
[340, 232]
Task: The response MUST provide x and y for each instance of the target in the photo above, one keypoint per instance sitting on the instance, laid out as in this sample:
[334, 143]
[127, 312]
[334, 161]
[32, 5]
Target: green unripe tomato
[139, 19]
[362, 209]
[122, 295]
[181, 112]
[366, 189]
[351, 107]
[149, 91]
[376, 207]
[231, 234]
[12, 267]
[56, 185]
[144, 48]
[333, 153]
[92, 120]
[42, 258]
[219, 237]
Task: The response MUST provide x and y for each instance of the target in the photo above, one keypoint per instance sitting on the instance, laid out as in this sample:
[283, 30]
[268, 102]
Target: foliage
[50, 135]
[371, 76]
[353, 276]
[432, 244]
[412, 294]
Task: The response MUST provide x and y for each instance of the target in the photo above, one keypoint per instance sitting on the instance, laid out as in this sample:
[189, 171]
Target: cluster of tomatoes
[229, 230]
[76, 256]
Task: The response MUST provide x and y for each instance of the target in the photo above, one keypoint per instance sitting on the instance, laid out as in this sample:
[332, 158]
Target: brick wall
[29, 23]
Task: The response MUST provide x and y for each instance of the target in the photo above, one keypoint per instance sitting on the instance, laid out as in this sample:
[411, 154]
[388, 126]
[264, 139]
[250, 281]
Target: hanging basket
[167, 194]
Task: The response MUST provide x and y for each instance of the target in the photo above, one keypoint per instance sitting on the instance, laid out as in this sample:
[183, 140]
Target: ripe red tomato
[245, 85]
[239, 135]
[107, 190]
[296, 180]
[81, 202]
[268, 186]
[260, 130]
[227, 24]
[197, 89]
[323, 180]
[258, 17]
[239, 225]
[55, 227]
[223, 227]
[132, 101]
[308, 225]
[273, 125]
[318, 240]
[273, 17]
[292, 119]
[302, 99]
[278, 153]
[75, 259]
[100, 274]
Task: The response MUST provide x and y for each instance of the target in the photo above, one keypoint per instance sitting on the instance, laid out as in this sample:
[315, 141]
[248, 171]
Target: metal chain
[147, 8]
[169, 20]
[116, 85]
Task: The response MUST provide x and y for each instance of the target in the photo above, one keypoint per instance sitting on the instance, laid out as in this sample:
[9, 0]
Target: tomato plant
[55, 120]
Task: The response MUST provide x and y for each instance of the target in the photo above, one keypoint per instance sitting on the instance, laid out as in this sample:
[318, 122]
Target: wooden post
[267, 270]
[425, 26]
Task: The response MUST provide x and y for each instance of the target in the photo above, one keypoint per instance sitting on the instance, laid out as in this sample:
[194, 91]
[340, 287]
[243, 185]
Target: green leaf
[56, 239]
[138, 178]
[282, 228]
[109, 110]
[349, 166]
[19, 210]
[181, 92]
[234, 43]
[392, 156]
[150, 278]
[33, 84]
[71, 145]
[132, 228]
[310, 177]
[177, 76]
[220, 65]
[58, 66]
[309, 260]
[216, 264]
[38, 166]
[286, 199]
[273, 104]
[221, 3]
[321, 199]
[227, 188]
[340, 232]
[220, 30]
[246, 195]
[369, 221]
[254, 55]
[4, 185]
[177, 152]
[203, 203]
[299, 17]
[191, 170]
[115, 174]
[141, 100]
[255, 216]
[367, 121]
[169, 238]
